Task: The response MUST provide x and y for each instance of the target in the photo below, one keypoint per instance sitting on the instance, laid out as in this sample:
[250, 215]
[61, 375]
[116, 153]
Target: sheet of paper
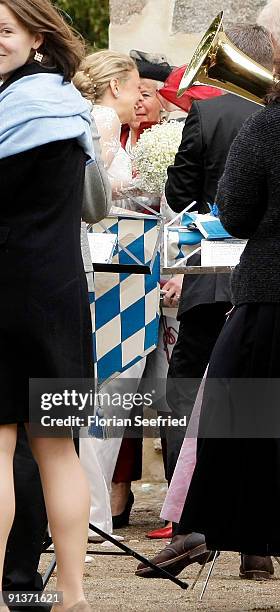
[221, 252]
[101, 246]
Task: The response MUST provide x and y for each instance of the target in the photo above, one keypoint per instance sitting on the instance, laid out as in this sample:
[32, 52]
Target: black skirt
[234, 496]
[47, 337]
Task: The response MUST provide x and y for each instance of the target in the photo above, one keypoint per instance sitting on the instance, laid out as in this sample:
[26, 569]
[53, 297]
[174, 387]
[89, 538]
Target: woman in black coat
[234, 495]
[45, 325]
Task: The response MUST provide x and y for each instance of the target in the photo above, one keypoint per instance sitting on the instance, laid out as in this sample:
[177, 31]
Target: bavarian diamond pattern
[125, 307]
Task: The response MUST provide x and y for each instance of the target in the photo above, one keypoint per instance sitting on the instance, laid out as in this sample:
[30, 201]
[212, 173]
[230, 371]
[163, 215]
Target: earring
[38, 57]
[117, 95]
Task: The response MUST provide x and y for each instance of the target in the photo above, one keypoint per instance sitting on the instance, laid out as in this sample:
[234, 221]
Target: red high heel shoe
[164, 532]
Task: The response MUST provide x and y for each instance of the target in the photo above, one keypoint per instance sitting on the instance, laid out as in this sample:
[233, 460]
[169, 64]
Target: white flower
[154, 152]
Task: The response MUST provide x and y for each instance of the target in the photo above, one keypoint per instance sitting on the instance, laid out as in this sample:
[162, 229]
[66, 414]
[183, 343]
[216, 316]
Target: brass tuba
[218, 62]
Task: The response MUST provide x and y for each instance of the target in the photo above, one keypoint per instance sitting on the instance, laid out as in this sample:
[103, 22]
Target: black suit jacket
[209, 130]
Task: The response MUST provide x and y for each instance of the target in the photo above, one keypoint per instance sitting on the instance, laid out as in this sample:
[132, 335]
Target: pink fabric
[179, 486]
[180, 483]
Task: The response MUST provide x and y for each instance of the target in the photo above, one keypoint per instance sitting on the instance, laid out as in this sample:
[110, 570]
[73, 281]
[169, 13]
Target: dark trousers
[26, 537]
[198, 332]
[129, 462]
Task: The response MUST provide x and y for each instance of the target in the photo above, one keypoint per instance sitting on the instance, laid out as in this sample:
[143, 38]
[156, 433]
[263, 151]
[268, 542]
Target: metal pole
[200, 571]
[208, 575]
[49, 572]
[132, 553]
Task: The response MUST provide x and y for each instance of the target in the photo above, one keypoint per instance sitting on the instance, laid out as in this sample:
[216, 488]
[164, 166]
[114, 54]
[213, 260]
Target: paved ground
[111, 585]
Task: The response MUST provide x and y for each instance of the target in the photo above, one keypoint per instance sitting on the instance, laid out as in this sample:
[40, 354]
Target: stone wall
[195, 16]
[172, 27]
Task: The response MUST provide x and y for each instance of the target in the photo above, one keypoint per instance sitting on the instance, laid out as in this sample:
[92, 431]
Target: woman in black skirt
[234, 497]
[45, 326]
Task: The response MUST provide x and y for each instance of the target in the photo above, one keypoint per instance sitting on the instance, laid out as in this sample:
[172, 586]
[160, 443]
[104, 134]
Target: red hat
[196, 92]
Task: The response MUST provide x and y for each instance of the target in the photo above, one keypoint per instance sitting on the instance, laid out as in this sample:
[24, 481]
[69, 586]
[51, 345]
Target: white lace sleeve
[109, 128]
[116, 161]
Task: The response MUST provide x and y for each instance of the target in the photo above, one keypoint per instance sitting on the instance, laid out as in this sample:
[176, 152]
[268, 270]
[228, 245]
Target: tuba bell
[219, 63]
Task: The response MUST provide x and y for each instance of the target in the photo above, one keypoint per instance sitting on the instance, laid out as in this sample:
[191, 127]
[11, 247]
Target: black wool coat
[45, 324]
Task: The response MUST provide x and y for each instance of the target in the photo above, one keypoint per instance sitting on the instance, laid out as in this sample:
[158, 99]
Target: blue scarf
[39, 109]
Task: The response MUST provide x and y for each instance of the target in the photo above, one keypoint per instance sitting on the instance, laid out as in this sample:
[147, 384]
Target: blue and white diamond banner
[125, 306]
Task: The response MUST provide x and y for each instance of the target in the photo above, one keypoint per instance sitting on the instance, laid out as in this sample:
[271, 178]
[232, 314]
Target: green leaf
[90, 18]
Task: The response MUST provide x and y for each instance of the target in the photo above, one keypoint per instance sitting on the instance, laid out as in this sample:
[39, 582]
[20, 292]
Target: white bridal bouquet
[154, 152]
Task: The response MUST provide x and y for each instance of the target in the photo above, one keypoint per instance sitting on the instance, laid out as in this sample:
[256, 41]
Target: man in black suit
[209, 130]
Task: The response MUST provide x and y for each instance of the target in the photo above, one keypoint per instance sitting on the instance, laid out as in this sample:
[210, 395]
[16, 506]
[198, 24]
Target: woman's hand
[173, 289]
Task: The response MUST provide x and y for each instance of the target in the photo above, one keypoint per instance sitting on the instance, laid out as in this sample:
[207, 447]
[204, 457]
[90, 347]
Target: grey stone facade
[172, 27]
[191, 15]
[196, 15]
[122, 10]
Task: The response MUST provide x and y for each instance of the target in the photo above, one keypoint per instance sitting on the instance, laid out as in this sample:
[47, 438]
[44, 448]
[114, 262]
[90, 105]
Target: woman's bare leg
[67, 501]
[119, 496]
[8, 438]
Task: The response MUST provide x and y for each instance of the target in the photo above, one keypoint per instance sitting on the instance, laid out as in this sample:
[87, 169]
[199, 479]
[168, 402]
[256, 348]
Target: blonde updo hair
[97, 70]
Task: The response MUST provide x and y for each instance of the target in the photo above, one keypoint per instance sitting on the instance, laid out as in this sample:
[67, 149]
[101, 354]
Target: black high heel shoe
[122, 520]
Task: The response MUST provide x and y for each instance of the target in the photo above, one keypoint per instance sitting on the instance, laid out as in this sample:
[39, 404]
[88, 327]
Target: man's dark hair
[255, 41]
[273, 96]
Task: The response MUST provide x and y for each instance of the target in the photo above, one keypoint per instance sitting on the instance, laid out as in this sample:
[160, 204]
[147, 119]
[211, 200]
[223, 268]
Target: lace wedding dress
[99, 456]
[116, 160]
